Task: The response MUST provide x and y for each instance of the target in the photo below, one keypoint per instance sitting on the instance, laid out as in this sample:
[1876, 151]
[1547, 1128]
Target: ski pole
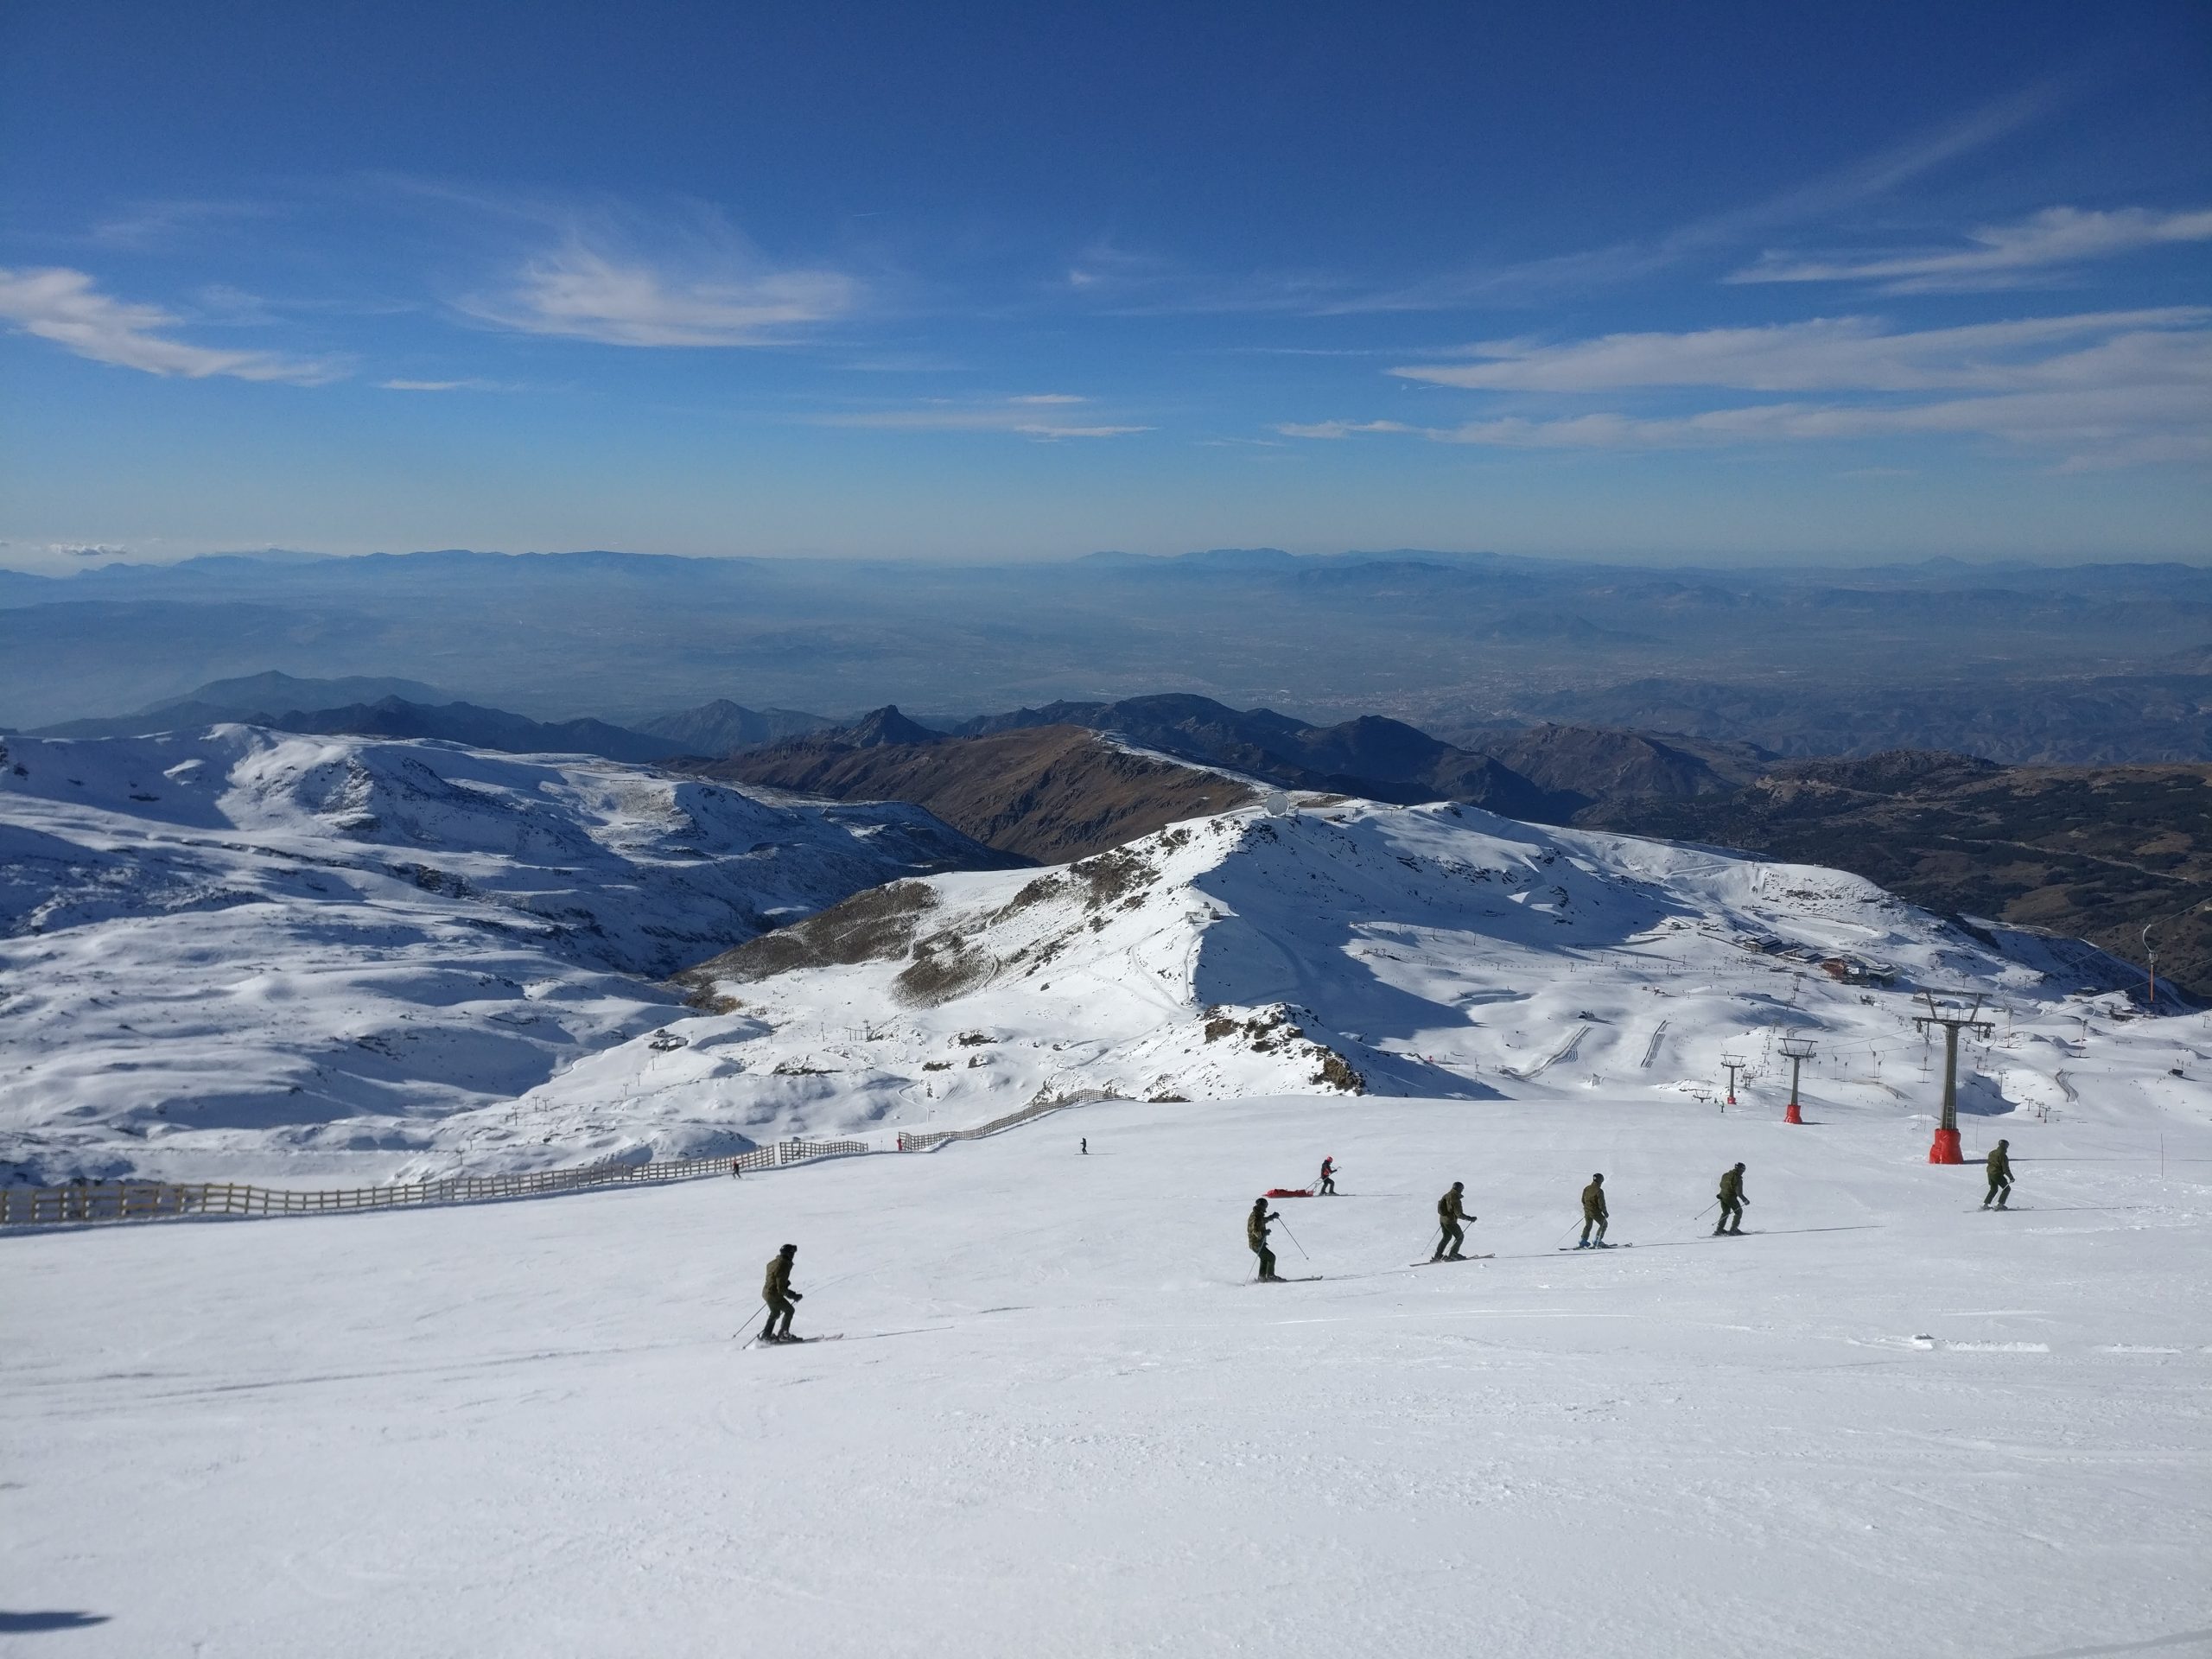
[748, 1332]
[1291, 1237]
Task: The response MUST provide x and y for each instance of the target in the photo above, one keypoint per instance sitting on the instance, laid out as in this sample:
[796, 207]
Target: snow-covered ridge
[1358, 949]
[247, 943]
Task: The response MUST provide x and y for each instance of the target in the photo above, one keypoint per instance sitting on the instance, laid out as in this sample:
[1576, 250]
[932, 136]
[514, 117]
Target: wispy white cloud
[444, 385]
[87, 549]
[1030, 416]
[577, 291]
[2096, 390]
[2117, 426]
[1998, 256]
[65, 307]
[1340, 429]
[1856, 353]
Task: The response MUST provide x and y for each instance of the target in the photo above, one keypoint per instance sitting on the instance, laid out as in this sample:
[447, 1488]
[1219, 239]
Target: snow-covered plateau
[1061, 1418]
[240, 952]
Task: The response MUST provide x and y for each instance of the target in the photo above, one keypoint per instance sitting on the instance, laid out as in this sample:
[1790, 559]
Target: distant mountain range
[2019, 662]
[1071, 777]
[374, 707]
[2098, 851]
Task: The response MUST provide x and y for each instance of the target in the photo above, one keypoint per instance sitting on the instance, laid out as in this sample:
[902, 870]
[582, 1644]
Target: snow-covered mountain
[1342, 950]
[256, 945]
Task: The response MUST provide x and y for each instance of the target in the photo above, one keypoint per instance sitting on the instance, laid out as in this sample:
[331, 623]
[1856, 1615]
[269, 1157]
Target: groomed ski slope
[1062, 1423]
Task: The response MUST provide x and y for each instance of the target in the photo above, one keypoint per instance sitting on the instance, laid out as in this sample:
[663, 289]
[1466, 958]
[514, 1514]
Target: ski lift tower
[1796, 1051]
[1945, 1148]
[1734, 1062]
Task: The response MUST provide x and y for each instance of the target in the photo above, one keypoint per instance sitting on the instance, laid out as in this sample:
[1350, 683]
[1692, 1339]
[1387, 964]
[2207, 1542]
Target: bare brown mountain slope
[1048, 792]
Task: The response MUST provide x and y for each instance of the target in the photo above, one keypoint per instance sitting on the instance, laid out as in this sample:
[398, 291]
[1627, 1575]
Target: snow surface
[1062, 1423]
[237, 951]
[1432, 950]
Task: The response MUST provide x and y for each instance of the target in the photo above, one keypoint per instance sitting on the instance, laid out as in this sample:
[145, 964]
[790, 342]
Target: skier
[776, 1291]
[1593, 1213]
[2001, 1175]
[1084, 1146]
[1328, 1178]
[1449, 1213]
[1732, 1202]
[1255, 1235]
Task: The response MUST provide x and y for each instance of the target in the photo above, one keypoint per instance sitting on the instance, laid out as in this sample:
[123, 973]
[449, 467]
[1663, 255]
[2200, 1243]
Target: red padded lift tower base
[1944, 1149]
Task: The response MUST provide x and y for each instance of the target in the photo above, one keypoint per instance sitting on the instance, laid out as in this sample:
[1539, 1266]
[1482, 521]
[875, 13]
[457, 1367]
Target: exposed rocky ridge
[1047, 793]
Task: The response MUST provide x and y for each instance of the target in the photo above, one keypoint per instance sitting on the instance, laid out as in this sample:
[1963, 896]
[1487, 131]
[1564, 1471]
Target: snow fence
[92, 1201]
[930, 1140]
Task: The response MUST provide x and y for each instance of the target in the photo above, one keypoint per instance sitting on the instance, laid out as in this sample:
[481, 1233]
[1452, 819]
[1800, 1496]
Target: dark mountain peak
[885, 726]
[722, 726]
[271, 688]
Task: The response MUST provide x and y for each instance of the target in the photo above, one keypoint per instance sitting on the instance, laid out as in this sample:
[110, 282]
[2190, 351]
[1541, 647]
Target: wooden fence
[97, 1201]
[92, 1201]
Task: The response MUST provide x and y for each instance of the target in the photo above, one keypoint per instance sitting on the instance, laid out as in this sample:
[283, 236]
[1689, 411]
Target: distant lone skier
[1084, 1146]
[1255, 1235]
[776, 1291]
[1450, 1212]
[2001, 1175]
[1732, 1202]
[1593, 1213]
[1328, 1178]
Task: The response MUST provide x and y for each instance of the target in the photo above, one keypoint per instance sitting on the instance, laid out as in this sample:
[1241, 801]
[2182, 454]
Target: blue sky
[1716, 282]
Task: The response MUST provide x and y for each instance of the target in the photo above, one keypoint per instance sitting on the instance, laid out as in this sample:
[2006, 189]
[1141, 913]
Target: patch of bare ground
[1050, 793]
[877, 926]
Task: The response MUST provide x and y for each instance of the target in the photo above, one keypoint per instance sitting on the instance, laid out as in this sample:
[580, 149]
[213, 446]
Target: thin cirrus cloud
[578, 292]
[1045, 417]
[2104, 388]
[2039, 247]
[66, 306]
[1856, 353]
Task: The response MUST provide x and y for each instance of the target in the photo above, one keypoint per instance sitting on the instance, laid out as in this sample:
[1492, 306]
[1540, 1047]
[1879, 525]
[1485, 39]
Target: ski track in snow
[1062, 1423]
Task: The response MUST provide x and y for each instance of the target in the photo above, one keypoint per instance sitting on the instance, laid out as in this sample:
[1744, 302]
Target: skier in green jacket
[1732, 1202]
[1450, 1212]
[2001, 1175]
[1256, 1236]
[1593, 1213]
[776, 1291]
